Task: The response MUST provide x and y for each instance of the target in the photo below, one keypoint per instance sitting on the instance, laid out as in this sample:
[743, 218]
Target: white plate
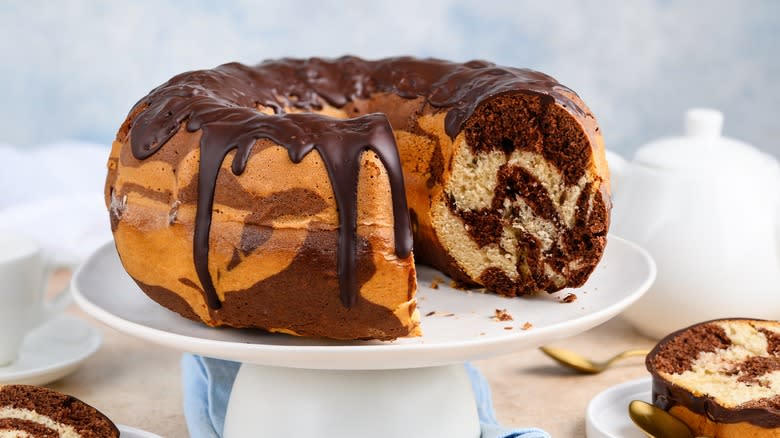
[607, 415]
[52, 351]
[103, 289]
[132, 432]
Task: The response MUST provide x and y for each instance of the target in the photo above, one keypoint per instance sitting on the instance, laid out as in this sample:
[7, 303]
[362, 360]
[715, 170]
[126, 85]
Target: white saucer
[607, 415]
[52, 351]
[457, 325]
[132, 432]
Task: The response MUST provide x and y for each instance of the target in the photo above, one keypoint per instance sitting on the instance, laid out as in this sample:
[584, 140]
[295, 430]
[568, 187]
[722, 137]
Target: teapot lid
[703, 147]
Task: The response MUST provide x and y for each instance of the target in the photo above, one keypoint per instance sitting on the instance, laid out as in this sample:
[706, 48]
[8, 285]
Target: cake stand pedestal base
[291, 402]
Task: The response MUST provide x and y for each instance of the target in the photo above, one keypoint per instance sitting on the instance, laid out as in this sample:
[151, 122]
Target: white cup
[23, 280]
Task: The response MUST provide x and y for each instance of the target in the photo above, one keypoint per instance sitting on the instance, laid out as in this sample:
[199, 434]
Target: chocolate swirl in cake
[224, 102]
[27, 428]
[30, 411]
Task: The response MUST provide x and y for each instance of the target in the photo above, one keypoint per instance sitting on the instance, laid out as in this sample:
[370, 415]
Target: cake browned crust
[721, 377]
[503, 170]
[35, 412]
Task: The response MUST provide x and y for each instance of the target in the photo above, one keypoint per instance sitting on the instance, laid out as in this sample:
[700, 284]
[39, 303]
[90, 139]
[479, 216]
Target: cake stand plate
[313, 383]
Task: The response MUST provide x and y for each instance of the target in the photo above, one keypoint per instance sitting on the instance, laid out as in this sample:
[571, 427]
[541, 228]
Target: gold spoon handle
[625, 354]
[629, 353]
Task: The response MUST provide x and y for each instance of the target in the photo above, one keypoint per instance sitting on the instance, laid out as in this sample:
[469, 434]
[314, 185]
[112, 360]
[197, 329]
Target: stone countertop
[139, 384]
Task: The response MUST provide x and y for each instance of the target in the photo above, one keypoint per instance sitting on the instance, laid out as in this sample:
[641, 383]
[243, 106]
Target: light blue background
[73, 69]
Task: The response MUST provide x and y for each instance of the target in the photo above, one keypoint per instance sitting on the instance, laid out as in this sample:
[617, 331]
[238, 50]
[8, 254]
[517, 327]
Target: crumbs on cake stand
[435, 313]
[502, 315]
[436, 281]
[569, 298]
[457, 285]
[526, 326]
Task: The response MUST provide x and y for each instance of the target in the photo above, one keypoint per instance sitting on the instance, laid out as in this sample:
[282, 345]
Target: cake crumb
[502, 315]
[526, 326]
[435, 282]
[435, 313]
[570, 298]
[509, 327]
[455, 285]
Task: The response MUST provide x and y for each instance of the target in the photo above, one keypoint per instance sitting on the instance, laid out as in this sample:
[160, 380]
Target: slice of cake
[722, 378]
[35, 412]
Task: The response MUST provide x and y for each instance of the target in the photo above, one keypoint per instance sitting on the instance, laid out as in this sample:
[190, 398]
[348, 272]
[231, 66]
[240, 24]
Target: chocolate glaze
[223, 104]
[666, 394]
[339, 143]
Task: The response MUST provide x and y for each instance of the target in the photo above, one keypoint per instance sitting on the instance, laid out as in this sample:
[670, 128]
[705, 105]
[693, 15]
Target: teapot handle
[618, 167]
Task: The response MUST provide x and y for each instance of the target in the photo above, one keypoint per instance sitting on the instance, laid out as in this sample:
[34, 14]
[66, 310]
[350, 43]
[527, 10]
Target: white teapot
[707, 208]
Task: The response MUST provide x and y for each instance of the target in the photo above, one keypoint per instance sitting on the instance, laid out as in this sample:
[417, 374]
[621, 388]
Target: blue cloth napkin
[208, 382]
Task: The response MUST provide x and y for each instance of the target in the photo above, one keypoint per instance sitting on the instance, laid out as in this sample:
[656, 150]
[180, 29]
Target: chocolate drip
[339, 143]
[223, 103]
[307, 83]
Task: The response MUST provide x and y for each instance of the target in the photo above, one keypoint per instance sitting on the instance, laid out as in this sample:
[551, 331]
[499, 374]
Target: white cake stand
[291, 386]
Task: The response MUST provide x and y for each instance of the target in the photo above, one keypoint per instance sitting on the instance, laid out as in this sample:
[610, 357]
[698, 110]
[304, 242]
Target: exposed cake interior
[30, 411]
[734, 363]
[522, 212]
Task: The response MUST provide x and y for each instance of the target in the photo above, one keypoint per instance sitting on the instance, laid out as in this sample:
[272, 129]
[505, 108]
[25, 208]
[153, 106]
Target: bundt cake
[222, 213]
[722, 378]
[36, 412]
